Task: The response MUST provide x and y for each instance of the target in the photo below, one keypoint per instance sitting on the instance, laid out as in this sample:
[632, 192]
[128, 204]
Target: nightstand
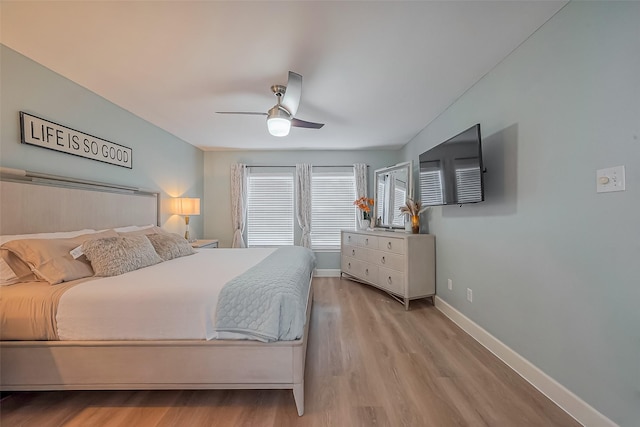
[205, 244]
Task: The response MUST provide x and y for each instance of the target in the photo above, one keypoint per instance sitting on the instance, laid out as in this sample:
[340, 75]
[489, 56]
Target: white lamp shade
[278, 126]
[186, 206]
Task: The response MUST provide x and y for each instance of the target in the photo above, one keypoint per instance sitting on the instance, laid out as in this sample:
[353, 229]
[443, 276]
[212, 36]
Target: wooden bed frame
[127, 365]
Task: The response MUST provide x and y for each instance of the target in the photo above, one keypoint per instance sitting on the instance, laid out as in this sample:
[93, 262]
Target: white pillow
[57, 235]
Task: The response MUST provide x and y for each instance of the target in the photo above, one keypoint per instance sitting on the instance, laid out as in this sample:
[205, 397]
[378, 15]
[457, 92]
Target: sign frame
[44, 133]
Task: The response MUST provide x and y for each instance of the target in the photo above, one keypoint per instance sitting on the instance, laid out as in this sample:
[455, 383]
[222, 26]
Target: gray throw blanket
[268, 302]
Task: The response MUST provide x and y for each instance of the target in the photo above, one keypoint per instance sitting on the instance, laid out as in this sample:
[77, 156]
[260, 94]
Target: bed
[146, 357]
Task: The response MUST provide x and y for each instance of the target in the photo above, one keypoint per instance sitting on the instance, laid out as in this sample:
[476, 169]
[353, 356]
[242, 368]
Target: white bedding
[175, 299]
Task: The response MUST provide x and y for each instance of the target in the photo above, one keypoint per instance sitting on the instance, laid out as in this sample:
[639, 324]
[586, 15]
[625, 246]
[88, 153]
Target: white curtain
[303, 202]
[360, 174]
[238, 202]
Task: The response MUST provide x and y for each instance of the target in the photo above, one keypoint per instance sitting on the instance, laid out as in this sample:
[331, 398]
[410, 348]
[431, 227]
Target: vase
[415, 224]
[364, 224]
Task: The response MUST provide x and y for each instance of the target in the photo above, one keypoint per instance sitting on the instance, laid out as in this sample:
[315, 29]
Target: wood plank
[369, 362]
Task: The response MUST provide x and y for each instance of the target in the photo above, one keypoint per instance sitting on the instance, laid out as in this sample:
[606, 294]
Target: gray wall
[555, 267]
[217, 187]
[161, 161]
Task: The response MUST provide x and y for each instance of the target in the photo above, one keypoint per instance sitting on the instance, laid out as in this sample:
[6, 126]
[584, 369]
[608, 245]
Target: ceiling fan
[280, 117]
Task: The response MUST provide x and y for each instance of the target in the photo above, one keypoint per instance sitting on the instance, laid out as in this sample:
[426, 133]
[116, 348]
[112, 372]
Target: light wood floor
[369, 363]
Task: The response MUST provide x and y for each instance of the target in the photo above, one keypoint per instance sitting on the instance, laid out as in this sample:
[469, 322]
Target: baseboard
[560, 395]
[326, 272]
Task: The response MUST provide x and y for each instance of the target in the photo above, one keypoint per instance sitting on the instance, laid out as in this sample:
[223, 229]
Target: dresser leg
[406, 304]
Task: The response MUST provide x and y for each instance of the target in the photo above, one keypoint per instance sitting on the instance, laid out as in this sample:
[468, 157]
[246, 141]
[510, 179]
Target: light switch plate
[610, 179]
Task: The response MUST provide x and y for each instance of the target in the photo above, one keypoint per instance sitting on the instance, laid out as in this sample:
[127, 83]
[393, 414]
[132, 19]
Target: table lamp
[186, 206]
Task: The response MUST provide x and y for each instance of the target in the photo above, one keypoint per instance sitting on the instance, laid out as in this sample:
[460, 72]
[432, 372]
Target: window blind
[399, 200]
[332, 194]
[270, 212]
[431, 187]
[380, 201]
[468, 184]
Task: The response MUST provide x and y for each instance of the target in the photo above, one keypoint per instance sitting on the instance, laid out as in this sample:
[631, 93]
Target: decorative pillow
[170, 246]
[50, 259]
[13, 270]
[113, 256]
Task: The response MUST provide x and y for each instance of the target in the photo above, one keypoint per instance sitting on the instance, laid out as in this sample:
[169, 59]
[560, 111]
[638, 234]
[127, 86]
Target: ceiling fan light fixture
[278, 122]
[278, 126]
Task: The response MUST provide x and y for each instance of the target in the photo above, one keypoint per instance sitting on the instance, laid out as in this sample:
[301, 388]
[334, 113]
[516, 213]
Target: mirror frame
[408, 166]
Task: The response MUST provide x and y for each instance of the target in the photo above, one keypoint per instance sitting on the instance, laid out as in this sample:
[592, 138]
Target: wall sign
[43, 133]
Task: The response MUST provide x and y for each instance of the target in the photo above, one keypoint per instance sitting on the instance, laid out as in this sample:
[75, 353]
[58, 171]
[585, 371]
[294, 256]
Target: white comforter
[175, 299]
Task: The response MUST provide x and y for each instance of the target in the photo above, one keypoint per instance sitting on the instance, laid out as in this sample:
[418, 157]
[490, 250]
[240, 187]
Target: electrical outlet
[450, 284]
[469, 295]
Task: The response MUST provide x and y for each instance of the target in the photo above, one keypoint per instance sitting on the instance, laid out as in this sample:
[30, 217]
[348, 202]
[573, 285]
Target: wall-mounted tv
[451, 172]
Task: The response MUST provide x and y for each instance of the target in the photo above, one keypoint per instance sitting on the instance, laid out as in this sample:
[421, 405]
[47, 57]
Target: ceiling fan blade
[302, 124]
[241, 112]
[291, 98]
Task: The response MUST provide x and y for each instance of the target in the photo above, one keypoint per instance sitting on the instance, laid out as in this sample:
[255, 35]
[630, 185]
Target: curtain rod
[293, 166]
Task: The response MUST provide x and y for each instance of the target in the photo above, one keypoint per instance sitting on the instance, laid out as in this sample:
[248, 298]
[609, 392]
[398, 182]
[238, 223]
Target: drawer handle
[388, 245]
[349, 266]
[353, 252]
[349, 238]
[366, 241]
[389, 280]
[383, 260]
[366, 271]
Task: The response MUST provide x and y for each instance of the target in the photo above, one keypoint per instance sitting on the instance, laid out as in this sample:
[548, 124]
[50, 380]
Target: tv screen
[451, 172]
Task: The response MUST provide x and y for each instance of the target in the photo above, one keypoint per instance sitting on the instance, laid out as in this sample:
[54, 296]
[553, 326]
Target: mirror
[392, 186]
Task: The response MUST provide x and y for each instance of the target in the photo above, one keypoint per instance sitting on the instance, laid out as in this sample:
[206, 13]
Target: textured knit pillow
[170, 246]
[113, 256]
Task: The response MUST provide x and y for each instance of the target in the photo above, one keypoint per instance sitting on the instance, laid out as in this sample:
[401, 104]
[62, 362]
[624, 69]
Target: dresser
[399, 263]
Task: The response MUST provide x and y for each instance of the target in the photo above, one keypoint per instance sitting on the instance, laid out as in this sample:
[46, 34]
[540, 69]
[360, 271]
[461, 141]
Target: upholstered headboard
[38, 203]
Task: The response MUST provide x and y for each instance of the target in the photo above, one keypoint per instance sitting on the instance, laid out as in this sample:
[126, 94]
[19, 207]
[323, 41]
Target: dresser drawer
[391, 244]
[356, 252]
[369, 273]
[362, 240]
[350, 239]
[387, 259]
[369, 242]
[391, 280]
[352, 266]
[360, 269]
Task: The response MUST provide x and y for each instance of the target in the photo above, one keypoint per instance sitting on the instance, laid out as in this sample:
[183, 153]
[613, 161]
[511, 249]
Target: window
[270, 211]
[271, 218]
[332, 195]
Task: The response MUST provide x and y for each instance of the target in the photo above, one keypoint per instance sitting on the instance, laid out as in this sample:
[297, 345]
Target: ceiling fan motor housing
[278, 90]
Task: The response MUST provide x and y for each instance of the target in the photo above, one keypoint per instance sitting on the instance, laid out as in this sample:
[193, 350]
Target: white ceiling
[375, 73]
